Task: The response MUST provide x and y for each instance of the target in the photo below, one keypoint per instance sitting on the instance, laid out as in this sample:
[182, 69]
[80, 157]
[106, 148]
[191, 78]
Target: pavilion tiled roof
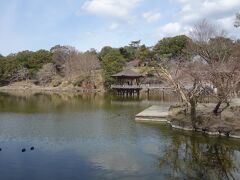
[127, 73]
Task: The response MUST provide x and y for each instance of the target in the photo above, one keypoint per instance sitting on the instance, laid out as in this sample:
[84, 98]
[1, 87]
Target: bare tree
[21, 74]
[221, 67]
[185, 79]
[46, 73]
[82, 64]
[71, 63]
[217, 66]
[62, 57]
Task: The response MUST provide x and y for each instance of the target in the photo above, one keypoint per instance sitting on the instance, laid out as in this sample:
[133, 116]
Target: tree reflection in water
[201, 158]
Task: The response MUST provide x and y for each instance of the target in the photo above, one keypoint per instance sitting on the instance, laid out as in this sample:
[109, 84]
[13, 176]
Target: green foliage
[171, 47]
[112, 62]
[132, 51]
[112, 59]
[92, 51]
[144, 53]
[105, 50]
[8, 65]
[135, 44]
[126, 53]
[33, 61]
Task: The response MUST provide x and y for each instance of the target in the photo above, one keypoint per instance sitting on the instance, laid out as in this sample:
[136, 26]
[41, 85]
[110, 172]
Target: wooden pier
[153, 114]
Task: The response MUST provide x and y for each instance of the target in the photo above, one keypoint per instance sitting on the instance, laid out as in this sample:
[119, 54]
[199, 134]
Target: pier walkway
[153, 114]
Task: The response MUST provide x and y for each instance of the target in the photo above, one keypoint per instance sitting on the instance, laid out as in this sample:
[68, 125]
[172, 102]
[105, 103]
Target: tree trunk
[215, 111]
[193, 112]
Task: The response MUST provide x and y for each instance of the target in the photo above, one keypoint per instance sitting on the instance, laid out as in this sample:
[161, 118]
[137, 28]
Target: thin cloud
[113, 26]
[217, 11]
[120, 9]
[171, 29]
[151, 16]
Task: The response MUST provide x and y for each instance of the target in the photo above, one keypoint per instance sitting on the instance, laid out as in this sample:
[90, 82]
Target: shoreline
[49, 89]
[159, 115]
[52, 90]
[210, 133]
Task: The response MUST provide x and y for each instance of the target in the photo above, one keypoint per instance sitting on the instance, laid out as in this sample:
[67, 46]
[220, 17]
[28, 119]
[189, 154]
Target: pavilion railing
[142, 86]
[126, 86]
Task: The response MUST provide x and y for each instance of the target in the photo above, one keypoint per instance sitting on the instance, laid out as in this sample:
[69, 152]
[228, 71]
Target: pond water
[96, 137]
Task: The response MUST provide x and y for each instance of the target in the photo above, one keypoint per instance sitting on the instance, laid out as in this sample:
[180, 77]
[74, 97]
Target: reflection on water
[95, 137]
[197, 157]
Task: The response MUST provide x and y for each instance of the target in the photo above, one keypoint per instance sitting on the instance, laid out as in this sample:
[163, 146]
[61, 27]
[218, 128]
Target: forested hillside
[65, 64]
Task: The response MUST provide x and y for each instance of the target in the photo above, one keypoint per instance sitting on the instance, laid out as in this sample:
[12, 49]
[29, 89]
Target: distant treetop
[171, 47]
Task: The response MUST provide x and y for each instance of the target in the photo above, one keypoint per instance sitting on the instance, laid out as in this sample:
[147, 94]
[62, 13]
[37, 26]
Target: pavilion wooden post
[128, 83]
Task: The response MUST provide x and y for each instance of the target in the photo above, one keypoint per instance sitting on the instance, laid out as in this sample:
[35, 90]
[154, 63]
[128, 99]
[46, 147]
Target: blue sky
[85, 24]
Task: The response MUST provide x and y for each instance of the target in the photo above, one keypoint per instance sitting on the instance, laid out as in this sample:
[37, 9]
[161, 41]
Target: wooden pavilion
[127, 83]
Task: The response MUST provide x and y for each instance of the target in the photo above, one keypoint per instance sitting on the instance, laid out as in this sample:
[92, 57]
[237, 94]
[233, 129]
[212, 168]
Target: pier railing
[142, 86]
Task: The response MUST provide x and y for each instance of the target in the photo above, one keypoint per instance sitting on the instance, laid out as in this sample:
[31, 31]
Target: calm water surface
[95, 137]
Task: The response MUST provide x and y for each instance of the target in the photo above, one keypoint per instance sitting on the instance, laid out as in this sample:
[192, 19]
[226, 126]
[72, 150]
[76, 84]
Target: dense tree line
[27, 61]
[114, 59]
[42, 65]
[63, 59]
